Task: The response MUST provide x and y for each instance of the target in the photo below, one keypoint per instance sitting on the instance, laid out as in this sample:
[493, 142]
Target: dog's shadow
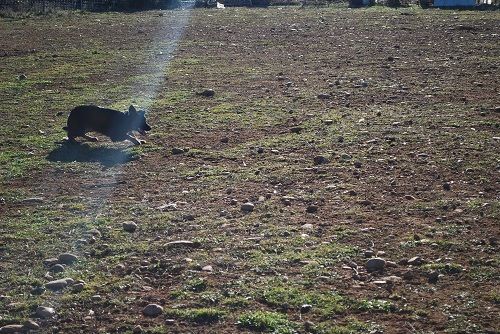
[106, 156]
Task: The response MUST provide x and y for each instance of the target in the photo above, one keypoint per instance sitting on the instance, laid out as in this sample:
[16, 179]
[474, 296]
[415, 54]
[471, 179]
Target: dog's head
[139, 122]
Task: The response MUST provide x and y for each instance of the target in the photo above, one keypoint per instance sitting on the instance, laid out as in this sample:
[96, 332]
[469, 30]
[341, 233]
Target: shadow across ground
[106, 156]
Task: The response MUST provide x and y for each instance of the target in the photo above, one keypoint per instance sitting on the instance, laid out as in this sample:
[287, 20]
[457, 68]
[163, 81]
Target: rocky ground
[317, 170]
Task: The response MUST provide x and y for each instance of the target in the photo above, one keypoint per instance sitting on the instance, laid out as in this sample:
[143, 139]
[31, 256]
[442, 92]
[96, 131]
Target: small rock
[433, 277]
[328, 121]
[224, 140]
[375, 264]
[96, 298]
[247, 207]
[308, 226]
[206, 93]
[50, 262]
[169, 322]
[177, 150]
[129, 226]
[318, 160]
[312, 209]
[67, 258]
[296, 129]
[183, 243]
[447, 186]
[410, 197]
[37, 290]
[415, 261]
[8, 329]
[260, 150]
[357, 164]
[30, 325]
[57, 268]
[152, 310]
[207, 268]
[305, 308]
[369, 253]
[45, 312]
[59, 284]
[22, 77]
[345, 156]
[340, 139]
[78, 287]
[324, 96]
[309, 325]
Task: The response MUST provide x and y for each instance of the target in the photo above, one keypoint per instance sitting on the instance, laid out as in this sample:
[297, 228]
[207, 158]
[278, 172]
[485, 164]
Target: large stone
[45, 312]
[152, 310]
[11, 329]
[59, 284]
[30, 325]
[375, 264]
[67, 258]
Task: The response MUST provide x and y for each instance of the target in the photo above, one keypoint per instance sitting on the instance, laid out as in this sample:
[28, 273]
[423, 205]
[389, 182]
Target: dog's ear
[132, 109]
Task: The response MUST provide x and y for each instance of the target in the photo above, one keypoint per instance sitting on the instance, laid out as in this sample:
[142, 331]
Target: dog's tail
[65, 128]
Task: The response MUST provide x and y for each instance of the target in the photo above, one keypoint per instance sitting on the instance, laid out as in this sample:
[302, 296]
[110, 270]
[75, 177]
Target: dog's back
[109, 122]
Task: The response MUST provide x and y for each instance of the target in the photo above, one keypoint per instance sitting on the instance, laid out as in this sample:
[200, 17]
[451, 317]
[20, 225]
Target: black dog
[112, 123]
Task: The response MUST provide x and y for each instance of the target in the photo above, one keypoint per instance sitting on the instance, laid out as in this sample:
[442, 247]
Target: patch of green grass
[198, 315]
[353, 326]
[375, 305]
[325, 303]
[449, 268]
[267, 322]
[196, 285]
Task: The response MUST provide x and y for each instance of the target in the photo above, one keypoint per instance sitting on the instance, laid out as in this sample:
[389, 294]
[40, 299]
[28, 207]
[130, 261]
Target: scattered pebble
[296, 129]
[78, 287]
[328, 121]
[357, 164]
[152, 310]
[129, 226]
[169, 322]
[308, 226]
[375, 264]
[207, 268]
[177, 150]
[305, 308]
[433, 277]
[183, 243]
[247, 207]
[206, 93]
[260, 150]
[447, 186]
[57, 268]
[318, 160]
[312, 209]
[415, 261]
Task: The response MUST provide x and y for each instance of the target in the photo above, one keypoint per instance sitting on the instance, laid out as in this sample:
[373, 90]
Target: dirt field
[356, 134]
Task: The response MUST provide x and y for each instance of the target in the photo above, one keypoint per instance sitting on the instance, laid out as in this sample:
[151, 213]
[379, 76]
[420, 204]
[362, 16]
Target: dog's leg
[90, 138]
[71, 140]
[134, 140]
